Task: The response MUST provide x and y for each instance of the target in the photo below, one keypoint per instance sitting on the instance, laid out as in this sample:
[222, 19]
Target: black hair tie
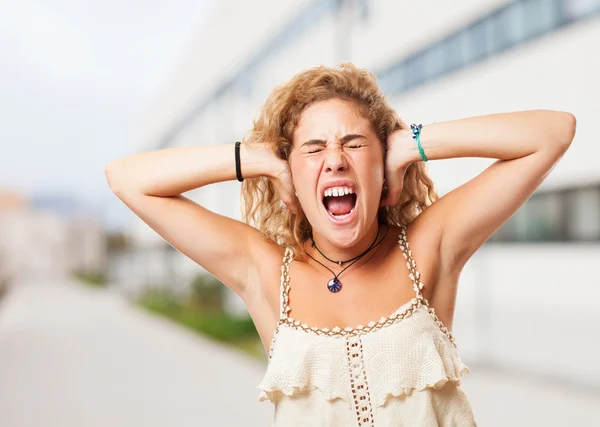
[238, 167]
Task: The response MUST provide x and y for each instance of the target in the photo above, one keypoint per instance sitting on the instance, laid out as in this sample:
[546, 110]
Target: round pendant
[334, 285]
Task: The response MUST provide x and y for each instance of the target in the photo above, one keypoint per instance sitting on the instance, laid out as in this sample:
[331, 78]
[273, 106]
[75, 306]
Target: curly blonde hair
[274, 126]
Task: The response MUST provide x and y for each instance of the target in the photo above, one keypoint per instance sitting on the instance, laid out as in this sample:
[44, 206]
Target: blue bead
[416, 130]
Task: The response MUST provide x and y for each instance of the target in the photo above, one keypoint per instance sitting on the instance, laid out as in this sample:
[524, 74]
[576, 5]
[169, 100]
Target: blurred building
[532, 293]
[47, 236]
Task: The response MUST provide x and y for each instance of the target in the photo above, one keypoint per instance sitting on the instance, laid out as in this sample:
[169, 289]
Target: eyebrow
[344, 139]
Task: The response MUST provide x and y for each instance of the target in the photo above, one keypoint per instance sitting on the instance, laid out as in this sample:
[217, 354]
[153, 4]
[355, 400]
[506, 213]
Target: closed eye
[316, 145]
[316, 150]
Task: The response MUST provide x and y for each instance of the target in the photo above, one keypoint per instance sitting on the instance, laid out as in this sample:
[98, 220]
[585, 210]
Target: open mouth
[339, 202]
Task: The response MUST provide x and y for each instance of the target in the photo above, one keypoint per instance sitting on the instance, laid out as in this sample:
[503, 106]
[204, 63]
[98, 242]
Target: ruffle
[308, 363]
[401, 391]
[415, 357]
[274, 395]
[412, 355]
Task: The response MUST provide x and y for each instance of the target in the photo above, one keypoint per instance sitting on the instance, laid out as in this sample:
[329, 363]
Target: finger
[295, 204]
[289, 202]
[385, 201]
[293, 208]
[391, 197]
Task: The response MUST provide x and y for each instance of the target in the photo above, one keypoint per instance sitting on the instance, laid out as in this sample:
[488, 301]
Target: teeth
[338, 191]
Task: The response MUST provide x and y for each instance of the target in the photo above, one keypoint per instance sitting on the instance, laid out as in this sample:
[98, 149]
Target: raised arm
[528, 145]
[151, 184]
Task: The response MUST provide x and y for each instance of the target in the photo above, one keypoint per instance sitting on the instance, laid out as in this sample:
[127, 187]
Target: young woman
[348, 261]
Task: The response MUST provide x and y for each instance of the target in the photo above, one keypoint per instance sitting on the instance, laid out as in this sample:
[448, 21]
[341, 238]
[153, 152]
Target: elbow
[559, 131]
[568, 125]
[111, 172]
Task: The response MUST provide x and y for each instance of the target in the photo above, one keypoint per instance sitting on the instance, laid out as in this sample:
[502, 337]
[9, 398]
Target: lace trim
[400, 314]
[440, 324]
[275, 394]
[283, 296]
[270, 355]
[435, 385]
[414, 274]
[418, 284]
[358, 382]
[356, 330]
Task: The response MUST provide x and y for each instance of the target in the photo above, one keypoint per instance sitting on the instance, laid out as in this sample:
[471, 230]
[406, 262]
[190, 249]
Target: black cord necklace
[334, 285]
[340, 263]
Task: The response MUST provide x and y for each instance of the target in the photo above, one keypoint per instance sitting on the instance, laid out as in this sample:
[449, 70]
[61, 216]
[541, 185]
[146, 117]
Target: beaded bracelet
[416, 134]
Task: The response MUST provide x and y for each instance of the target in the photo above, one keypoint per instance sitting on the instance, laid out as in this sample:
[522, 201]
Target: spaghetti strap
[415, 276]
[284, 285]
[414, 273]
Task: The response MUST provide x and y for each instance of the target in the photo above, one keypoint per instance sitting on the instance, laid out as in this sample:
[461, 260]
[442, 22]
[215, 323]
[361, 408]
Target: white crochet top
[403, 370]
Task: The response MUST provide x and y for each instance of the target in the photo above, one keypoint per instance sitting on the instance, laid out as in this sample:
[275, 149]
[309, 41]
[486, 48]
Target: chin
[343, 239]
[342, 232]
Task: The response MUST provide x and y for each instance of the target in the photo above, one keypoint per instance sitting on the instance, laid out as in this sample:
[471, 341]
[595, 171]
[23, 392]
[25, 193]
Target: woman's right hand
[284, 185]
[261, 160]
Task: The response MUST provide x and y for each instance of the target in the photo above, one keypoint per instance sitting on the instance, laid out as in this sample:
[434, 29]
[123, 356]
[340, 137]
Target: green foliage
[117, 241]
[3, 288]
[206, 293]
[92, 278]
[201, 310]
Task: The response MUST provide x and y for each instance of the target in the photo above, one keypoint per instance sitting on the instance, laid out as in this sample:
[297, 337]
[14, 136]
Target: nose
[335, 159]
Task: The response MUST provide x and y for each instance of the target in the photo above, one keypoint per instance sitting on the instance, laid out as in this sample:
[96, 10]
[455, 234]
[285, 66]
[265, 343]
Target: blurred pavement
[72, 356]
[77, 356]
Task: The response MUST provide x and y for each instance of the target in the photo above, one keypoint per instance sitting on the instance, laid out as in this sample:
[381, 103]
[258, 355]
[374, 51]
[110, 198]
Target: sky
[76, 77]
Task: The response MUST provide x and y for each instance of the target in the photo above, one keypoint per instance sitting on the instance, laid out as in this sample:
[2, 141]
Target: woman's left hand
[396, 164]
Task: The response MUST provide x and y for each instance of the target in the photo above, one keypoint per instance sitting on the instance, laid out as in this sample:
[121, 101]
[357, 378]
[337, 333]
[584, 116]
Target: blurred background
[104, 323]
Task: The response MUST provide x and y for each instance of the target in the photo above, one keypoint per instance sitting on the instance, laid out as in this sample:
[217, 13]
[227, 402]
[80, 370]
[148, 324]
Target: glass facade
[571, 215]
[516, 23]
[584, 206]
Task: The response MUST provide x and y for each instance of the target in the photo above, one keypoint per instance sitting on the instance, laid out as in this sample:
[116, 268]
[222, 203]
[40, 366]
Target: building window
[454, 48]
[479, 39]
[543, 219]
[584, 218]
[399, 78]
[507, 27]
[432, 63]
[565, 215]
[511, 25]
[415, 70]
